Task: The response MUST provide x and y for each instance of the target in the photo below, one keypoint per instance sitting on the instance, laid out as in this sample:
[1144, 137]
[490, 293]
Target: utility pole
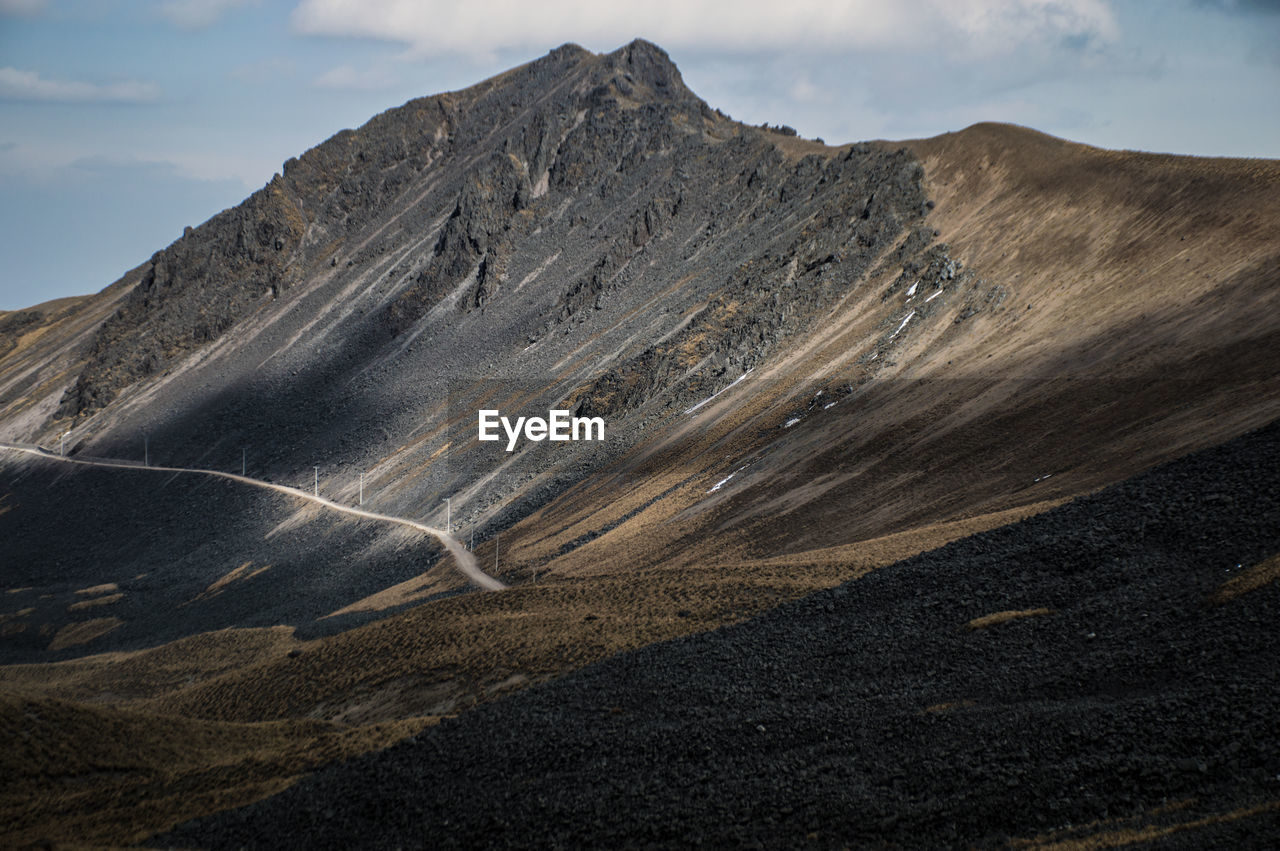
[63, 450]
[496, 536]
[244, 456]
[362, 487]
[146, 451]
[448, 514]
[317, 469]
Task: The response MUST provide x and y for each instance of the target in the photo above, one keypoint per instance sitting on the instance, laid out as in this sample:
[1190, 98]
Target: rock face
[568, 124]
[579, 200]
[192, 292]
[609, 157]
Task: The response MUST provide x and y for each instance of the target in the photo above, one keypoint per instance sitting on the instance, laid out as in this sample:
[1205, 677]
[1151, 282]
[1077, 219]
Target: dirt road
[462, 558]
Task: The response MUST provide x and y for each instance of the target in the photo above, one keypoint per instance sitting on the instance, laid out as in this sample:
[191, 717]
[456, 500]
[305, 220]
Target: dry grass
[74, 634]
[411, 590]
[900, 545]
[125, 678]
[996, 618]
[95, 775]
[13, 623]
[218, 720]
[1068, 228]
[106, 588]
[1259, 576]
[453, 652]
[96, 601]
[239, 574]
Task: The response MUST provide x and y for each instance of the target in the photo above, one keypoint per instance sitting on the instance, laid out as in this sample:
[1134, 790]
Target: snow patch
[722, 482]
[912, 291]
[717, 393]
[792, 422]
[903, 325]
[932, 297]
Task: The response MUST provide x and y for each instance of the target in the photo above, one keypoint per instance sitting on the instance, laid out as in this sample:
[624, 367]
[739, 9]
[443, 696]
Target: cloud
[24, 8]
[803, 89]
[482, 27]
[347, 78]
[16, 84]
[198, 14]
[1242, 6]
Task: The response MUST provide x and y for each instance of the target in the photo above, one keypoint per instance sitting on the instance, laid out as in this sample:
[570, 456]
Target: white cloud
[17, 84]
[25, 8]
[803, 89]
[348, 78]
[198, 14]
[985, 27]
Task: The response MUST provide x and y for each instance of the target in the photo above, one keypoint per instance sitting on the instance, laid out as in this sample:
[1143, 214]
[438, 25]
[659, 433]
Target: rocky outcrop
[192, 292]
[775, 293]
[196, 289]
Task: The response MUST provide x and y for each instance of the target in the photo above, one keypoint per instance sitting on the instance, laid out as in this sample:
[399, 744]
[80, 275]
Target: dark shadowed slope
[1077, 675]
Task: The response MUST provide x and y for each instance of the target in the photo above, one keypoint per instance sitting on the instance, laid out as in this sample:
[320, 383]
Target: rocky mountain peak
[649, 65]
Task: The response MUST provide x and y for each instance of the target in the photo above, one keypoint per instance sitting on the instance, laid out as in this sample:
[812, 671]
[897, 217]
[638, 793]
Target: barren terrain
[867, 411]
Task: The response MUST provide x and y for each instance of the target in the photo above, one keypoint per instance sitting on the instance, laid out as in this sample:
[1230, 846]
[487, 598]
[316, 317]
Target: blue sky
[123, 122]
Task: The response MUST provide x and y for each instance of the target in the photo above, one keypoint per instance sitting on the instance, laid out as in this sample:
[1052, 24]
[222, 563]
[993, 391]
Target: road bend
[462, 558]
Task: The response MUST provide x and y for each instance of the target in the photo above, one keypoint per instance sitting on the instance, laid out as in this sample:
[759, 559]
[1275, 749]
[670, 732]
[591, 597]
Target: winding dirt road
[463, 559]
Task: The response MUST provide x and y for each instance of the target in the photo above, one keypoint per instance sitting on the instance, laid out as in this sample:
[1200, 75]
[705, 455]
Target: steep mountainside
[812, 362]
[893, 336]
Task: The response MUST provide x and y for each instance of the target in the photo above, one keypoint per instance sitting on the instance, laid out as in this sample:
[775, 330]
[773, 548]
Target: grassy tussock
[996, 618]
[1259, 576]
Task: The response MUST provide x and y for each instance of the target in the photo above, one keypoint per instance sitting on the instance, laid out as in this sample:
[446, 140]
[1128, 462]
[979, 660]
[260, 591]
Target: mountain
[811, 362]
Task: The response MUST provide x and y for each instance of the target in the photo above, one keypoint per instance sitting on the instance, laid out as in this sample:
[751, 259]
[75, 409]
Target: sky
[123, 122]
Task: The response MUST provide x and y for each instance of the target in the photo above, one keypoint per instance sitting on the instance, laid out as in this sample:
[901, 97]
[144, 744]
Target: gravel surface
[162, 539]
[819, 722]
